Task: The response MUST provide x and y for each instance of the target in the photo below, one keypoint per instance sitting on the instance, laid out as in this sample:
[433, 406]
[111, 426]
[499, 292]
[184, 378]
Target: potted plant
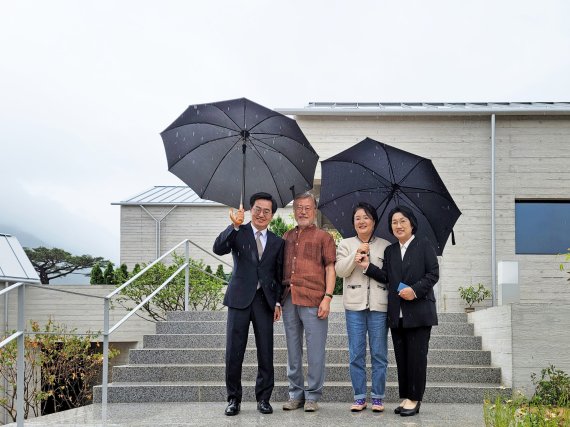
[472, 295]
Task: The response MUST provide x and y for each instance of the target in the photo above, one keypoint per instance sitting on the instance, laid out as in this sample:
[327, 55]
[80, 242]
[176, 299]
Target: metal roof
[428, 108]
[165, 195]
[15, 266]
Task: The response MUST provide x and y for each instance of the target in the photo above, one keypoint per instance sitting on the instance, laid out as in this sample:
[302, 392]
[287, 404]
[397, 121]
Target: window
[542, 226]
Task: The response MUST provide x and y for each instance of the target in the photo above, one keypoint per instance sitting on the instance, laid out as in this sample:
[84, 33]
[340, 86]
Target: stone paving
[212, 415]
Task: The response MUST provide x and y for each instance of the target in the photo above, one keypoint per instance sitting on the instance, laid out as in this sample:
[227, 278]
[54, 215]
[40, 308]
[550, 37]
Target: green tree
[109, 274]
[279, 227]
[136, 270]
[220, 272]
[96, 275]
[121, 274]
[208, 269]
[205, 291]
[53, 263]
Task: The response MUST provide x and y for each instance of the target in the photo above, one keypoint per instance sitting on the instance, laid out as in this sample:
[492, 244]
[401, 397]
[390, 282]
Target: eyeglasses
[258, 211]
[401, 221]
[304, 208]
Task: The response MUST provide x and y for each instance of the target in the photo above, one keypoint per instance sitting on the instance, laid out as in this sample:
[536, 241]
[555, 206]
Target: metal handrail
[109, 330]
[21, 332]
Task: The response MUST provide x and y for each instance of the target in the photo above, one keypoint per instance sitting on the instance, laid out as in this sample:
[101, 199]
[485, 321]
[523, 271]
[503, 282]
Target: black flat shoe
[397, 410]
[411, 412]
[264, 407]
[233, 407]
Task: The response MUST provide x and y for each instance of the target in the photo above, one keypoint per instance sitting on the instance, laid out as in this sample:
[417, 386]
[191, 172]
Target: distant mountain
[27, 240]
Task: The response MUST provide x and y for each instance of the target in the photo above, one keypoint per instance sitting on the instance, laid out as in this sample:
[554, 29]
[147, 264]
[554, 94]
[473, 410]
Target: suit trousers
[411, 349]
[261, 316]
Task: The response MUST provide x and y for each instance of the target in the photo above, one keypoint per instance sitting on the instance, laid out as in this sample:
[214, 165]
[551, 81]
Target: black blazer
[248, 269]
[420, 270]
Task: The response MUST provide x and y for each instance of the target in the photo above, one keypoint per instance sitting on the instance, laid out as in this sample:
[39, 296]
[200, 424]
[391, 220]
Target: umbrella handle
[236, 216]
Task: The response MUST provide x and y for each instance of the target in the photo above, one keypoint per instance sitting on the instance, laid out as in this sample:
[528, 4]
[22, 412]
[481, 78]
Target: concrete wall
[493, 325]
[532, 161]
[201, 224]
[76, 311]
[524, 339]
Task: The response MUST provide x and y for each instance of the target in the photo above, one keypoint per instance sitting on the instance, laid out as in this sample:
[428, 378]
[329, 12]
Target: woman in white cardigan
[365, 301]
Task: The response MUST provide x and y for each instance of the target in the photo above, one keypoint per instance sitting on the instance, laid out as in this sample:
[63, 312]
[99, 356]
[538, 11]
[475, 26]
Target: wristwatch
[329, 295]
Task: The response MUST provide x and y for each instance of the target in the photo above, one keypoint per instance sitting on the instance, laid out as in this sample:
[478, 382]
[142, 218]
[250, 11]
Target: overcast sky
[86, 87]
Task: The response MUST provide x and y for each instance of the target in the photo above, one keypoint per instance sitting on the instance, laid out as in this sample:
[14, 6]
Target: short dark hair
[369, 209]
[263, 196]
[407, 212]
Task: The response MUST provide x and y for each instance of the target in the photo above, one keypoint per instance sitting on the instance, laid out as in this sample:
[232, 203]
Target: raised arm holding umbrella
[240, 153]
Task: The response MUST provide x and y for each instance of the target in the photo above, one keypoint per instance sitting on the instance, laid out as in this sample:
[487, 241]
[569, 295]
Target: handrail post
[105, 384]
[21, 350]
[187, 276]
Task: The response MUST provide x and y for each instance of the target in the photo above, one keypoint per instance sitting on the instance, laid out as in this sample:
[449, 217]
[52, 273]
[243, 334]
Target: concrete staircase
[184, 362]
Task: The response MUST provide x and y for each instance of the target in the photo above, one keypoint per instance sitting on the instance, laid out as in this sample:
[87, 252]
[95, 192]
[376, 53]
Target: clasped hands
[361, 258]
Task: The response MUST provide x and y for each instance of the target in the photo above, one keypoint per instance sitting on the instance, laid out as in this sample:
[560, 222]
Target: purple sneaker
[377, 405]
[358, 405]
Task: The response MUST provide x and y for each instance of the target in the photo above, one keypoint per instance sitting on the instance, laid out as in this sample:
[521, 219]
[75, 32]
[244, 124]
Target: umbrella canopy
[226, 151]
[385, 177]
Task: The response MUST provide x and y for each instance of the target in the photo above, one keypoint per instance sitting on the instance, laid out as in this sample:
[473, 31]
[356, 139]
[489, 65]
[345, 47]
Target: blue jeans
[373, 323]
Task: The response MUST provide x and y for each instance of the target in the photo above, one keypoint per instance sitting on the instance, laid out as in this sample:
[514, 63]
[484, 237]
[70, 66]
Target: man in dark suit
[412, 312]
[252, 296]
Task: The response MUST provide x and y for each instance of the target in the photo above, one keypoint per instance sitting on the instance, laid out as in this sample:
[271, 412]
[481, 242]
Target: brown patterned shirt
[307, 252]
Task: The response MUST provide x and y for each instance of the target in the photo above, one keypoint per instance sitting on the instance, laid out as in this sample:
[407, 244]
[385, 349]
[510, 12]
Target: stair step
[333, 355]
[457, 342]
[334, 316]
[215, 391]
[219, 327]
[333, 373]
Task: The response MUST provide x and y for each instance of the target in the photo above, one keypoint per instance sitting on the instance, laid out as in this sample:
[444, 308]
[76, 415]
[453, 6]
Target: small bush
[549, 406]
[60, 370]
[553, 387]
[205, 291]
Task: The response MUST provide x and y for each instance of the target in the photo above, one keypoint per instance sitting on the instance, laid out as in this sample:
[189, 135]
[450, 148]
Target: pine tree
[220, 272]
[109, 274]
[121, 274]
[96, 275]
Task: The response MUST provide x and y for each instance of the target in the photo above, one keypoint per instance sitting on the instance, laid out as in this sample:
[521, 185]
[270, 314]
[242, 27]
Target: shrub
[553, 387]
[472, 294]
[60, 370]
[205, 291]
[279, 227]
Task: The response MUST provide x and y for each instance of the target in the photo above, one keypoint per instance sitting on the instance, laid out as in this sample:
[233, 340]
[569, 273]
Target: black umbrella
[226, 151]
[385, 177]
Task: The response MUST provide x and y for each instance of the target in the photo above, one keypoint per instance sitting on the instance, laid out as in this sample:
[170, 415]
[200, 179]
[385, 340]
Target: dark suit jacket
[248, 268]
[420, 270]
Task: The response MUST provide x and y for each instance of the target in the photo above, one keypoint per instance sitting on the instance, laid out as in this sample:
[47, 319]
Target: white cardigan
[359, 291]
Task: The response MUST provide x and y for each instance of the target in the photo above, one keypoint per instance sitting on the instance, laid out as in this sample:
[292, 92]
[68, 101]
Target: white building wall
[533, 158]
[200, 224]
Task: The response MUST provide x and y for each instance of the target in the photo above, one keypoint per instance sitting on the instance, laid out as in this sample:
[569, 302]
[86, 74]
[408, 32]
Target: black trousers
[411, 349]
[261, 316]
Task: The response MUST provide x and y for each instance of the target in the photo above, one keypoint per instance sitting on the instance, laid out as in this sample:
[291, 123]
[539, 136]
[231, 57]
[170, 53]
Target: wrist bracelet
[328, 295]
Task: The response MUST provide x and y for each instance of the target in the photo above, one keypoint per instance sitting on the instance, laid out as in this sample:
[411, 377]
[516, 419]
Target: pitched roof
[167, 195]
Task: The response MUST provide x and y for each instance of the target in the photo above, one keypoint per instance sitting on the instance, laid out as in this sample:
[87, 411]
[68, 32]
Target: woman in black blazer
[411, 270]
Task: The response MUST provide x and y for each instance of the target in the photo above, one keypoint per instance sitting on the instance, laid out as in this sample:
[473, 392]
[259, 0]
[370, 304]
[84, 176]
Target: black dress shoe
[411, 412]
[264, 407]
[233, 407]
[397, 410]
